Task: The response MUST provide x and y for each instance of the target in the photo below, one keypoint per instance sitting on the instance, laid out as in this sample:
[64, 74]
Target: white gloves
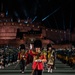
[18, 60]
[39, 60]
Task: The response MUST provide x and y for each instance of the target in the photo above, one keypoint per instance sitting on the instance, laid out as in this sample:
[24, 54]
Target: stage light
[16, 14]
[50, 14]
[45, 18]
[6, 13]
[34, 19]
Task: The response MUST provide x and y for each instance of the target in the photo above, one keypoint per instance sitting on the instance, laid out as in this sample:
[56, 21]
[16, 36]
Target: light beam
[50, 14]
[6, 13]
[34, 19]
[16, 14]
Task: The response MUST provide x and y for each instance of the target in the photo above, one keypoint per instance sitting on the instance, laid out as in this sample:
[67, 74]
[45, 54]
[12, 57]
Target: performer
[39, 59]
[50, 58]
[29, 55]
[44, 51]
[54, 55]
[22, 58]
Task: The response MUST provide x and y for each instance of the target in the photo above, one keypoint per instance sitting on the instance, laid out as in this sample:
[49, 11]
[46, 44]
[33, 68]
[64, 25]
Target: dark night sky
[58, 14]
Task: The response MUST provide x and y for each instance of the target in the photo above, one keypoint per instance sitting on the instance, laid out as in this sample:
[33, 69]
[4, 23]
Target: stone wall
[8, 30]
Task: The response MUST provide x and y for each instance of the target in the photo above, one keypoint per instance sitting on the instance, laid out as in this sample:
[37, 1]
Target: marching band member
[29, 55]
[44, 51]
[50, 63]
[38, 59]
[50, 58]
[22, 58]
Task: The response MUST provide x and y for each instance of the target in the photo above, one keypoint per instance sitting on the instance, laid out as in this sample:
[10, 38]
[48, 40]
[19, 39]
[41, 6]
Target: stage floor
[61, 69]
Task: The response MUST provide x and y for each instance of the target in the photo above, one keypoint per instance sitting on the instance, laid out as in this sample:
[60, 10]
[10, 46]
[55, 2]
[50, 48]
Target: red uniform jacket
[38, 65]
[21, 56]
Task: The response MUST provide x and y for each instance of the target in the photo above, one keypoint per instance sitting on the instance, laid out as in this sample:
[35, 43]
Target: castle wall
[8, 30]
